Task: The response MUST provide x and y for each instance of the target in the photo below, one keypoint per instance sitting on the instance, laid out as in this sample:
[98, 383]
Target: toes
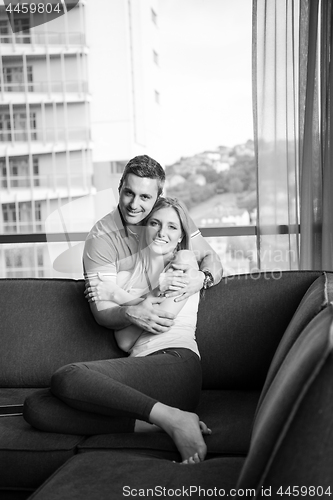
[192, 460]
[204, 429]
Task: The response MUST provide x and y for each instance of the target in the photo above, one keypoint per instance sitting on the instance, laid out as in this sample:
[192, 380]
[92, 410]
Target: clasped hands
[180, 282]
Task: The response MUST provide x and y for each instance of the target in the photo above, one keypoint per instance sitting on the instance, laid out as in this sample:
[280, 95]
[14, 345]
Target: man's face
[137, 197]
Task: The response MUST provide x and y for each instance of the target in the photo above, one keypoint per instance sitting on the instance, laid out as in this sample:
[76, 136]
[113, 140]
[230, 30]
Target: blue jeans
[129, 387]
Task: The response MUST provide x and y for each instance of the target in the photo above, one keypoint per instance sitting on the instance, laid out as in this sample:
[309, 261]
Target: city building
[79, 96]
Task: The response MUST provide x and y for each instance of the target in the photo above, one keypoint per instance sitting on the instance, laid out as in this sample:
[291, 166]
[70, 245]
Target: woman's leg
[130, 386]
[161, 389]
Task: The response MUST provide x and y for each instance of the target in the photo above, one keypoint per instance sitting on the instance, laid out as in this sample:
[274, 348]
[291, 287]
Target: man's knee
[186, 257]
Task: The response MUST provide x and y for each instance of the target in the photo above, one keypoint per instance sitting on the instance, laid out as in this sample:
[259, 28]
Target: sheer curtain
[292, 75]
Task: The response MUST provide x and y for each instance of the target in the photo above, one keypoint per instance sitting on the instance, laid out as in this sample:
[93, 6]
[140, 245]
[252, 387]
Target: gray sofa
[266, 342]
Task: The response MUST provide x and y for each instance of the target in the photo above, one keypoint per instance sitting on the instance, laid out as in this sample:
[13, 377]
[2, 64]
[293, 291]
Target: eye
[145, 197]
[153, 223]
[173, 227]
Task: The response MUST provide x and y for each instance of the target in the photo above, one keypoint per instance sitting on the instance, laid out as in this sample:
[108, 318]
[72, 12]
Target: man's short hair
[144, 166]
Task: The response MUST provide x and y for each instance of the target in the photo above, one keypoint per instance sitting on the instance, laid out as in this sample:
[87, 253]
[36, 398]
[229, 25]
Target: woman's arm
[105, 288]
[188, 258]
[127, 337]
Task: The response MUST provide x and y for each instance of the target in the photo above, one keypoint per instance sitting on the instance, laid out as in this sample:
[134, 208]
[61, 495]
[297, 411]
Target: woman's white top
[181, 334]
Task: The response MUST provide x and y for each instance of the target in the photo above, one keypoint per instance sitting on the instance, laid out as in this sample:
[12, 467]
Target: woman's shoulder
[185, 257]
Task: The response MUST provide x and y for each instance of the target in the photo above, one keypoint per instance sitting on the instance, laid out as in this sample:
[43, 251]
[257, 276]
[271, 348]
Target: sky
[205, 60]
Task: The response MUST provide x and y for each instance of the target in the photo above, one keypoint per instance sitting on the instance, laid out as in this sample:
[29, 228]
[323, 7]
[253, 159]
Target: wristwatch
[209, 280]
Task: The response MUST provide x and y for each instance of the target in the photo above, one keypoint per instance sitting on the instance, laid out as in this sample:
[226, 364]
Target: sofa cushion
[116, 475]
[292, 440]
[229, 414]
[52, 327]
[14, 396]
[317, 297]
[241, 322]
[28, 457]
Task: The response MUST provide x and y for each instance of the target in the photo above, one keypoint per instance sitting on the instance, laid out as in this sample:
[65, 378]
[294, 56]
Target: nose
[134, 203]
[161, 232]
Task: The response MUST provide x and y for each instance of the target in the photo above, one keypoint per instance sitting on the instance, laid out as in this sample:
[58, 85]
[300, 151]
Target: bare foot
[185, 429]
[142, 426]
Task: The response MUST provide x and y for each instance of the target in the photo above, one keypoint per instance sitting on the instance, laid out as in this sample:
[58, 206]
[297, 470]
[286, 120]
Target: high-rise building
[79, 96]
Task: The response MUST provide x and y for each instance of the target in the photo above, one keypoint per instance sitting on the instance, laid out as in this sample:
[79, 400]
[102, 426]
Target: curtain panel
[292, 79]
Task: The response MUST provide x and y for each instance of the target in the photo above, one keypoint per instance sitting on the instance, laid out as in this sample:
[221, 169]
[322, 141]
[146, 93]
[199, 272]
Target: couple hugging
[145, 264]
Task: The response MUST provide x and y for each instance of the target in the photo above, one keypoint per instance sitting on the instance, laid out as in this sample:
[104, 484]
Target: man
[113, 241]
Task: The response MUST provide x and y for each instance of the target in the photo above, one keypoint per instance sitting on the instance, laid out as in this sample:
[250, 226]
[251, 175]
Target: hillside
[216, 183]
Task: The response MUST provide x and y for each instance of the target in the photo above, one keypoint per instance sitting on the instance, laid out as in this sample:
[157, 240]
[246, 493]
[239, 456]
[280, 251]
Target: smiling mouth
[160, 242]
[130, 212]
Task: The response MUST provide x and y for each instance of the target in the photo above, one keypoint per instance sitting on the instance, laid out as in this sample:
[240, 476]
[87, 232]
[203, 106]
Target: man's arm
[143, 315]
[207, 258]
[100, 256]
[192, 279]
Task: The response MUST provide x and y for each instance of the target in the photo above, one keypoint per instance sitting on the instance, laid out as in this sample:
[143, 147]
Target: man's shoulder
[109, 225]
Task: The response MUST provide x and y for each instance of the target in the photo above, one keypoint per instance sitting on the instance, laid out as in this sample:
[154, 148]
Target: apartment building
[79, 96]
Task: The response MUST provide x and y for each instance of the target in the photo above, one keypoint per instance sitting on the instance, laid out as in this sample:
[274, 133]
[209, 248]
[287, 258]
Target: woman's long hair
[142, 257]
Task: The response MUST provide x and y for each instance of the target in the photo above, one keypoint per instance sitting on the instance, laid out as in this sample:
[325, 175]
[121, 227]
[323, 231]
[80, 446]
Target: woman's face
[164, 231]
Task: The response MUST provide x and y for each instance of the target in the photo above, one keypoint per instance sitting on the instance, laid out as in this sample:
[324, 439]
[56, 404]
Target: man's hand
[173, 280]
[149, 316]
[195, 279]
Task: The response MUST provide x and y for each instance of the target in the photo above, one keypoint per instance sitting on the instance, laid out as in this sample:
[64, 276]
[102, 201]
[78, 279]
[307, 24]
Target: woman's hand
[101, 288]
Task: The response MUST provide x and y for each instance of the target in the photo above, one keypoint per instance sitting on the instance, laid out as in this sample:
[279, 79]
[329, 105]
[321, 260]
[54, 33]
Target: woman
[160, 381]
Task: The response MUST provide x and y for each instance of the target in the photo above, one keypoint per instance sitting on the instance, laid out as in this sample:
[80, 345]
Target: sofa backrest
[241, 322]
[44, 324]
[292, 439]
[47, 323]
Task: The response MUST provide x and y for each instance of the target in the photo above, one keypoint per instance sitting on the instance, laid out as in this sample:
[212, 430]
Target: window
[9, 217]
[13, 77]
[4, 32]
[38, 215]
[19, 172]
[13, 259]
[20, 126]
[21, 25]
[20, 261]
[18, 218]
[36, 172]
[5, 127]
